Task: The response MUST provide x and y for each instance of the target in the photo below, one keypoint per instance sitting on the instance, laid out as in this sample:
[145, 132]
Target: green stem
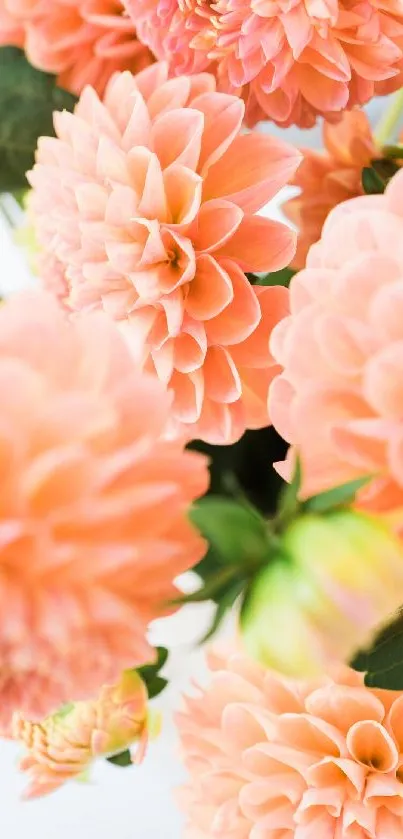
[387, 125]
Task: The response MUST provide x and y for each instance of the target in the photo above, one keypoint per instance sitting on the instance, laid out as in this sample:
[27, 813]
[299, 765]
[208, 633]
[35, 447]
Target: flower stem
[387, 125]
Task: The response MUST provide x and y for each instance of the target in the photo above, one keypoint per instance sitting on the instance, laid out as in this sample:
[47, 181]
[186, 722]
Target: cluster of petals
[63, 746]
[93, 507]
[281, 759]
[326, 178]
[146, 201]
[81, 41]
[292, 60]
[339, 397]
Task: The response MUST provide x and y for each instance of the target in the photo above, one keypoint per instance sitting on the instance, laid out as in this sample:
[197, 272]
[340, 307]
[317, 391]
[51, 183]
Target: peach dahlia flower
[290, 59]
[330, 177]
[339, 397]
[82, 41]
[273, 758]
[93, 502]
[11, 31]
[147, 201]
[63, 746]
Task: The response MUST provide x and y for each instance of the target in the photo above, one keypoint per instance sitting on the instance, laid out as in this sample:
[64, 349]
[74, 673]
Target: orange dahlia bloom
[273, 758]
[339, 398]
[290, 59]
[82, 41]
[147, 201]
[330, 177]
[63, 746]
[93, 503]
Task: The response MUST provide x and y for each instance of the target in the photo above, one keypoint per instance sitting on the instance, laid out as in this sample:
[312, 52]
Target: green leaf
[156, 686]
[122, 759]
[393, 152]
[385, 169]
[337, 497]
[372, 184]
[282, 277]
[383, 661]
[28, 98]
[223, 605]
[237, 533]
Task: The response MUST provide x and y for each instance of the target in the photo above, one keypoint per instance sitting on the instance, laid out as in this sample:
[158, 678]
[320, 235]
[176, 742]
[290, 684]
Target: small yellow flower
[63, 746]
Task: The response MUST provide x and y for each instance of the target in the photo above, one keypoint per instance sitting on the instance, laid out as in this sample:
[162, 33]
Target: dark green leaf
[337, 497]
[372, 184]
[393, 152]
[282, 277]
[237, 533]
[122, 759]
[28, 98]
[383, 662]
[149, 671]
[156, 686]
[223, 605]
[385, 169]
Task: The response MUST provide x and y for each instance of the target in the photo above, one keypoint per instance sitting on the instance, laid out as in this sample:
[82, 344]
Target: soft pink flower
[93, 503]
[339, 398]
[82, 41]
[272, 758]
[148, 201]
[290, 59]
[11, 31]
[63, 746]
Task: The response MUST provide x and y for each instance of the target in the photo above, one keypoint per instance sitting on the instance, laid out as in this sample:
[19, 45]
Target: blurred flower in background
[338, 400]
[147, 200]
[290, 61]
[335, 579]
[272, 757]
[81, 41]
[93, 504]
[62, 747]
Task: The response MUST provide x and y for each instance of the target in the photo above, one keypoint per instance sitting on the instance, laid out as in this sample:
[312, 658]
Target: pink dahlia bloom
[147, 200]
[339, 398]
[93, 503]
[273, 758]
[63, 746]
[291, 59]
[82, 41]
[11, 31]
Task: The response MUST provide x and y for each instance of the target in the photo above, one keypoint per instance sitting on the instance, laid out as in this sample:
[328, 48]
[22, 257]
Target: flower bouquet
[193, 386]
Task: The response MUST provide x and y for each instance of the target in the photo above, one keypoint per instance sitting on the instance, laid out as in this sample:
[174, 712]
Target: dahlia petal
[216, 223]
[173, 94]
[260, 244]
[254, 350]
[183, 189]
[251, 171]
[223, 115]
[242, 315]
[147, 180]
[188, 395]
[176, 137]
[371, 745]
[221, 377]
[211, 290]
